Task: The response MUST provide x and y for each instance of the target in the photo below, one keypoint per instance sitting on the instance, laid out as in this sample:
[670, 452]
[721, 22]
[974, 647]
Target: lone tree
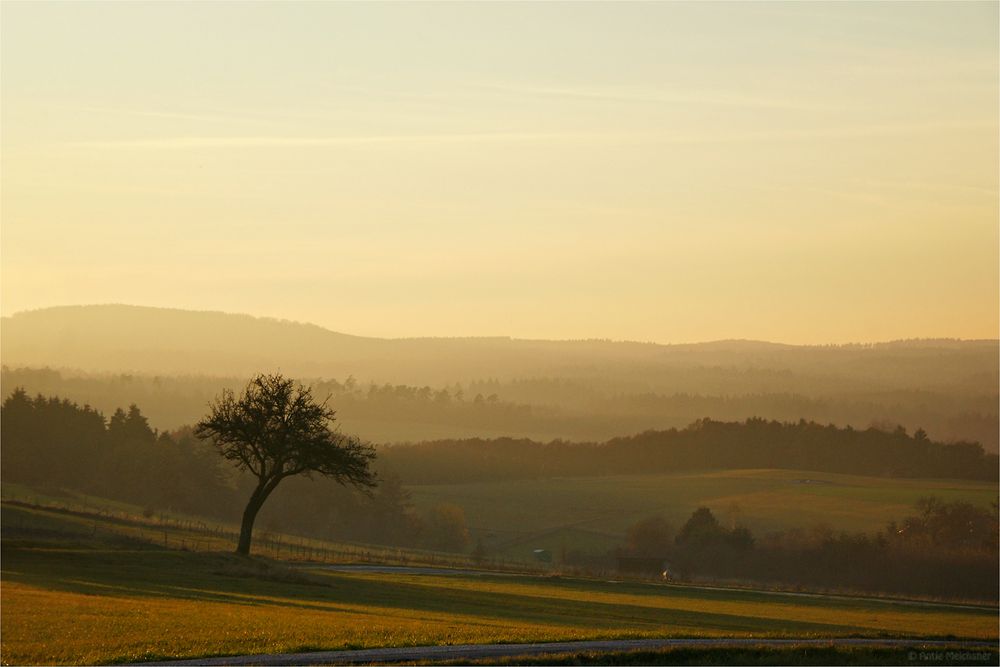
[276, 429]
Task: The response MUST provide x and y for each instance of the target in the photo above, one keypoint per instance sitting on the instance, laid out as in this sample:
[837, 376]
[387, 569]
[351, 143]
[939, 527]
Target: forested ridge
[58, 442]
[539, 408]
[705, 444]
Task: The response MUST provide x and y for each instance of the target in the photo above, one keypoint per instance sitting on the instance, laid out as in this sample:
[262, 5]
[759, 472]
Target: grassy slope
[592, 513]
[85, 601]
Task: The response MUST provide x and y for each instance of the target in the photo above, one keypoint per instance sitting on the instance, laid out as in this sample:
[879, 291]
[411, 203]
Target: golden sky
[670, 172]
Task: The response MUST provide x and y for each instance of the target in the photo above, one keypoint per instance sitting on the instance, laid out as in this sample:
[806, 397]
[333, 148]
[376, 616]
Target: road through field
[477, 651]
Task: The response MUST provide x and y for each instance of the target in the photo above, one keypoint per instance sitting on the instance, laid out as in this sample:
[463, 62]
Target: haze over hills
[121, 338]
[172, 362]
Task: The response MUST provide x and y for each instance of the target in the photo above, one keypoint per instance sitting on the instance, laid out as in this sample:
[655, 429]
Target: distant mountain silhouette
[122, 338]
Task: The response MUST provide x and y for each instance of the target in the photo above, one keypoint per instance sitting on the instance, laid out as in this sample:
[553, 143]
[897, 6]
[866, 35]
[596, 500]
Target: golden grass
[88, 605]
[92, 590]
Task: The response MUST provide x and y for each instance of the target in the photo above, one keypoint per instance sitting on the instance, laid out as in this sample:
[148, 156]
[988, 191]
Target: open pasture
[92, 601]
[593, 513]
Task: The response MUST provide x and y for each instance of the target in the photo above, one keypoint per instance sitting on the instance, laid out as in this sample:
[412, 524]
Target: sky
[668, 172]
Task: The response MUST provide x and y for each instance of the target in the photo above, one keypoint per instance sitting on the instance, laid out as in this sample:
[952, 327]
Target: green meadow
[593, 513]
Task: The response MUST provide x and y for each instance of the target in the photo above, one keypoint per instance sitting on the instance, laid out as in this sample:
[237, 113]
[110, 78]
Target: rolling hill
[120, 338]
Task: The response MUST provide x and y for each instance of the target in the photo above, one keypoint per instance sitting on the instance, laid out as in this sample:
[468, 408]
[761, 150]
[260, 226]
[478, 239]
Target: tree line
[54, 444]
[944, 549]
[543, 408]
[705, 444]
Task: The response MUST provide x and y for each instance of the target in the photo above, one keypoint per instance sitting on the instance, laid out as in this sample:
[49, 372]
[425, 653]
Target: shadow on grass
[209, 577]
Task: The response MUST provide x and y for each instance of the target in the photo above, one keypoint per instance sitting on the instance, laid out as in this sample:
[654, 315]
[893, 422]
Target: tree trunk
[246, 527]
[257, 499]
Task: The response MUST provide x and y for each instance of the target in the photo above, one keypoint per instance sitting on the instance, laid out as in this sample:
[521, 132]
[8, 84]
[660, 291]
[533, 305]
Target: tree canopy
[276, 429]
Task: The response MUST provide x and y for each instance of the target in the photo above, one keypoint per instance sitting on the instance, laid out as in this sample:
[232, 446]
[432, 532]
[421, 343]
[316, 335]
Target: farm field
[89, 600]
[593, 513]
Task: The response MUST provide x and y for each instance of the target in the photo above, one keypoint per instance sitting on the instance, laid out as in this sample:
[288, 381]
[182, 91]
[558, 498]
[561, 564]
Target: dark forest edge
[704, 445]
[57, 441]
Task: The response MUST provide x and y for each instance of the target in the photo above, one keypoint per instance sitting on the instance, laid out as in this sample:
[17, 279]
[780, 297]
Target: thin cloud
[172, 115]
[211, 115]
[657, 96]
[805, 134]
[181, 143]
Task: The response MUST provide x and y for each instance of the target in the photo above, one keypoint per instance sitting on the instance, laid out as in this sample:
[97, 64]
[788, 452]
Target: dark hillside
[704, 445]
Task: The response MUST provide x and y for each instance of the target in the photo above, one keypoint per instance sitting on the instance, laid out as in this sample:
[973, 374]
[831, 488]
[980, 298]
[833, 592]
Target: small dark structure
[543, 555]
[644, 565]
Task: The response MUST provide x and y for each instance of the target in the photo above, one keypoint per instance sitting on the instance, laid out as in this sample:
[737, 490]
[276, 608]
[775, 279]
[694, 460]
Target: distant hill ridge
[123, 338]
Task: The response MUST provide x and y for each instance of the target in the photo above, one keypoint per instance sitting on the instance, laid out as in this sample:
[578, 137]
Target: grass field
[592, 513]
[90, 600]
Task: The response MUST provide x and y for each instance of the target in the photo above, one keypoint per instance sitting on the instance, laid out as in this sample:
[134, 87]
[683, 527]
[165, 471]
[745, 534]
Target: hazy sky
[799, 172]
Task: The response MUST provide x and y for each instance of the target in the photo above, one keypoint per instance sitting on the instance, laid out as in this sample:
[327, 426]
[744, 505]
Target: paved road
[474, 651]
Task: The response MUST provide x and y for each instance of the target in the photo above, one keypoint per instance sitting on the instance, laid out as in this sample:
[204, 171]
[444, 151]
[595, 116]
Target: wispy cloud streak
[180, 143]
[277, 142]
[659, 96]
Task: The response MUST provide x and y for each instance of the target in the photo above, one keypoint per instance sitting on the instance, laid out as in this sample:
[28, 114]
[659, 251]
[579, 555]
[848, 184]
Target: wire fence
[85, 521]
